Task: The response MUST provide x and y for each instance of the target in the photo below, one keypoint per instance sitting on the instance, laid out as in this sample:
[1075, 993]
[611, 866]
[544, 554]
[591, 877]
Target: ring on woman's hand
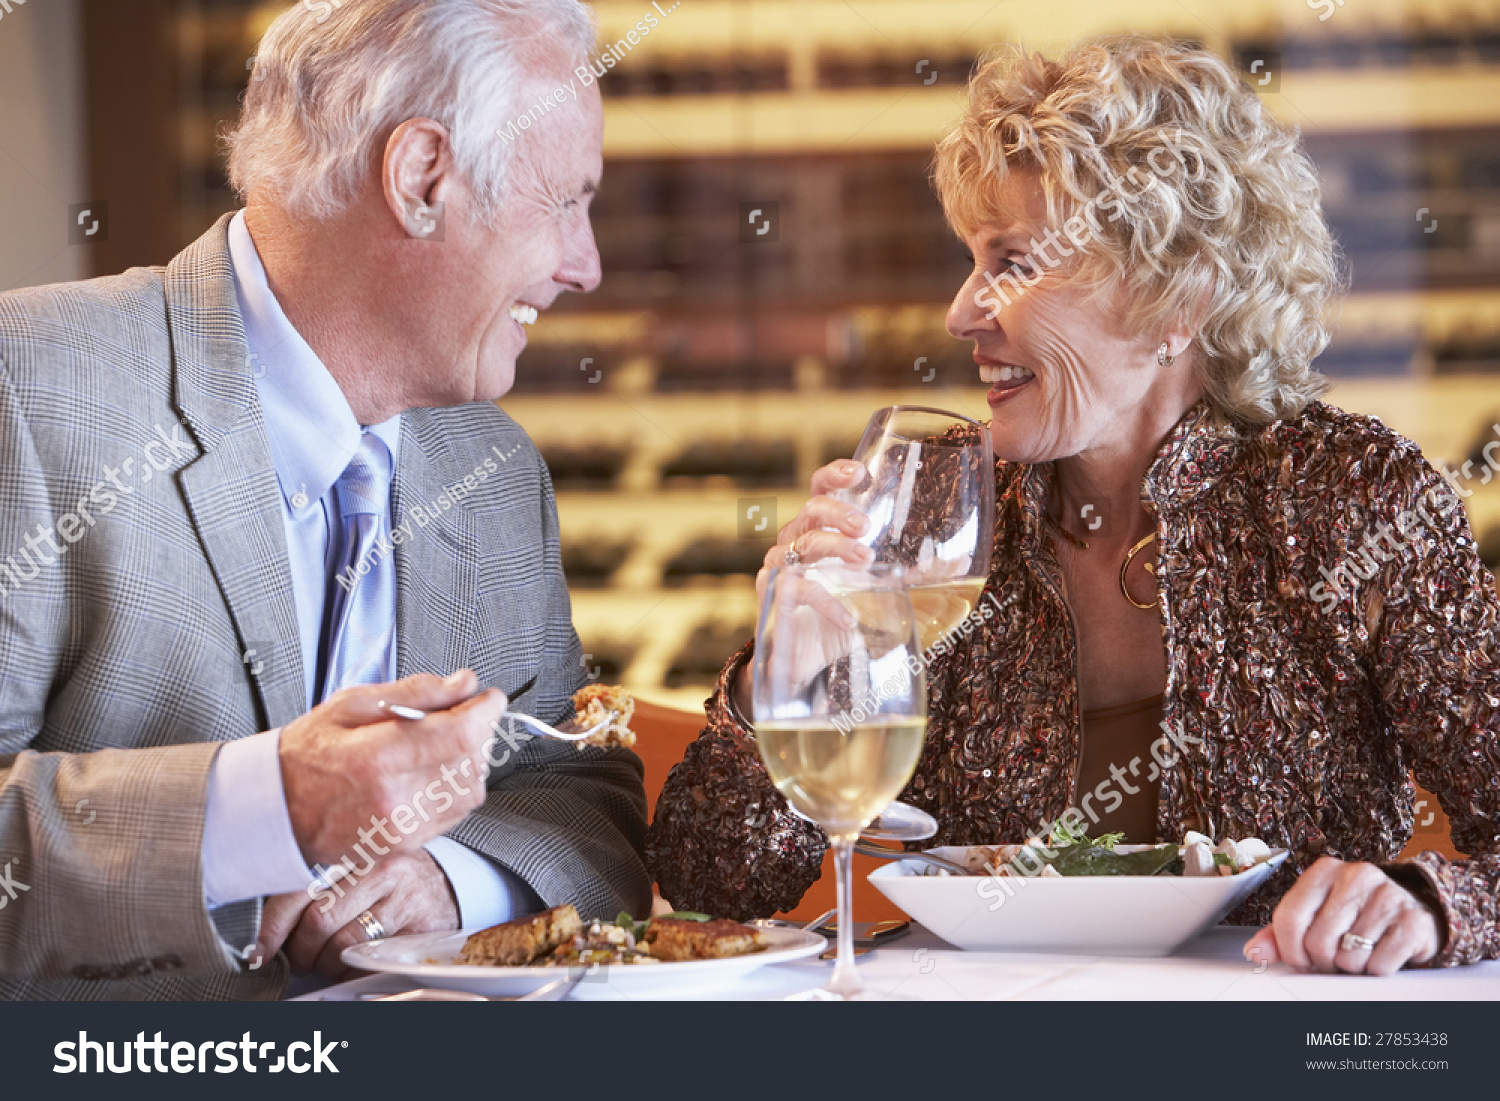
[371, 925]
[792, 558]
[1353, 942]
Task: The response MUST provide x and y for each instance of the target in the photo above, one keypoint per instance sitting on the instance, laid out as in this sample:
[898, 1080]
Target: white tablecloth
[922, 967]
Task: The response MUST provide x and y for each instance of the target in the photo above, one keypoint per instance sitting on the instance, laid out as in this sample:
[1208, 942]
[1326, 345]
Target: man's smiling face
[496, 277]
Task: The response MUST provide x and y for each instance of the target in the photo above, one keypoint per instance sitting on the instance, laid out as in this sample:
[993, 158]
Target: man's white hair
[325, 95]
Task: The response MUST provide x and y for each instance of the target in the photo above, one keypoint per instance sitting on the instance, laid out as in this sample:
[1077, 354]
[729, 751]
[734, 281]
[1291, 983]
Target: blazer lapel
[437, 560]
[231, 489]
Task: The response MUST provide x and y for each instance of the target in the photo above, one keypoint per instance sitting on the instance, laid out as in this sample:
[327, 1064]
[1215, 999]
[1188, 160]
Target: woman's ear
[418, 158]
[1189, 322]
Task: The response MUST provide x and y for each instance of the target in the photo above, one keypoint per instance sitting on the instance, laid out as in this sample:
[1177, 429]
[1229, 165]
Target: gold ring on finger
[371, 925]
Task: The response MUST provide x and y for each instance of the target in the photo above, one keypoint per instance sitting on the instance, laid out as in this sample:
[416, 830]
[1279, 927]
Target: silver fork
[570, 731]
[810, 927]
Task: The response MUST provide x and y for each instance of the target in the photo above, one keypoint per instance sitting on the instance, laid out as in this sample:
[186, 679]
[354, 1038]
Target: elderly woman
[1184, 536]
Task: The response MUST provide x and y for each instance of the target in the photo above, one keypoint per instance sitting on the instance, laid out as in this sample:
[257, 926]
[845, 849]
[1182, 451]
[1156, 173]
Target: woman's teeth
[526, 315]
[1004, 374]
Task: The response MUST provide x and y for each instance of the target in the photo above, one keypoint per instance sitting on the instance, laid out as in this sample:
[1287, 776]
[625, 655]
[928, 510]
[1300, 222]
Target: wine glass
[840, 704]
[930, 499]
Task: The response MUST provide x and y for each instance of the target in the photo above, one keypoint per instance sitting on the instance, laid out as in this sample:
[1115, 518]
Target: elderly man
[242, 495]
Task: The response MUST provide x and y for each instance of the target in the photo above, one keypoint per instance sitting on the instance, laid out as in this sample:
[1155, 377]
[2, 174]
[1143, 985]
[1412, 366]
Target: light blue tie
[364, 582]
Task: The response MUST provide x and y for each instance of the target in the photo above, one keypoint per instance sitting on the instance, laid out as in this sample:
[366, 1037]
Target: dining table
[920, 966]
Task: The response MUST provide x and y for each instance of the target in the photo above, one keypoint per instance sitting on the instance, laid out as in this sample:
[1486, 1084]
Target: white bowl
[1094, 915]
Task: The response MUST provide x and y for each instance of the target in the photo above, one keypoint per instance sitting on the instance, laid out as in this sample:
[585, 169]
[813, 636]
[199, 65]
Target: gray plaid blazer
[142, 558]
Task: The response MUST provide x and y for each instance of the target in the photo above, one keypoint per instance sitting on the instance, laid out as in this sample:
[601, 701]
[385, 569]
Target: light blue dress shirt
[249, 850]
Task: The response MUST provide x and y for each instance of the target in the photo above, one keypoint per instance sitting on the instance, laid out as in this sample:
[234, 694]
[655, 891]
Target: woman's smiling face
[1065, 377]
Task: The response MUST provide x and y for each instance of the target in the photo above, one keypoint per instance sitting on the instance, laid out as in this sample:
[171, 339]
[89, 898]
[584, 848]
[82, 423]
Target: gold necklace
[1125, 565]
[1068, 535]
[1147, 566]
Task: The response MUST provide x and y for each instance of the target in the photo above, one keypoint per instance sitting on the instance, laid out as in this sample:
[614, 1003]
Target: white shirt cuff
[249, 850]
[487, 893]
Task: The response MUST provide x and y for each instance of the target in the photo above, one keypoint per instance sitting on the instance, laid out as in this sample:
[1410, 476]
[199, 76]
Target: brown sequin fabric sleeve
[1432, 622]
[724, 842]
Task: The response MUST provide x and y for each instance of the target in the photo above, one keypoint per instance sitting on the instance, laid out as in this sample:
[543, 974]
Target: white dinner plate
[1125, 915]
[430, 959]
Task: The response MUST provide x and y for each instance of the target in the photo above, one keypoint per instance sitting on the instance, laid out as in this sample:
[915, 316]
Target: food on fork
[519, 942]
[594, 702]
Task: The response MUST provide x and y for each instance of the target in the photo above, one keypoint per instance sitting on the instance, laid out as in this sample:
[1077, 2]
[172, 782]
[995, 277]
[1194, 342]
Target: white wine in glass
[930, 499]
[841, 779]
[840, 709]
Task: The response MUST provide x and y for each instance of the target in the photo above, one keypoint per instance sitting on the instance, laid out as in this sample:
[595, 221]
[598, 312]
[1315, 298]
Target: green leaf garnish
[685, 915]
[1064, 836]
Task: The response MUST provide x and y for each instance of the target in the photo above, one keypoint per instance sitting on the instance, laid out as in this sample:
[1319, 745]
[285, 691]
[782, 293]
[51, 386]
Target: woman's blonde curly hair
[1232, 227]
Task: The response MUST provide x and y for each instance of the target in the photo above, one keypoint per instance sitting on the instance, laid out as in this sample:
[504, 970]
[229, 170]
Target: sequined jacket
[1329, 630]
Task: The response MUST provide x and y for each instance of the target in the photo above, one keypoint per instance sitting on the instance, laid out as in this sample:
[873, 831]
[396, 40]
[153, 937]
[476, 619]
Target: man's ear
[418, 159]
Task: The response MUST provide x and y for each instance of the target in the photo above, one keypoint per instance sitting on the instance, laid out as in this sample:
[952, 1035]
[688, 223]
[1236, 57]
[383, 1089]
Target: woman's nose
[969, 315]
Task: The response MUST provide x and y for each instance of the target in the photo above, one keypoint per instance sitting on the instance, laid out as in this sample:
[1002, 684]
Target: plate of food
[1072, 894]
[669, 953]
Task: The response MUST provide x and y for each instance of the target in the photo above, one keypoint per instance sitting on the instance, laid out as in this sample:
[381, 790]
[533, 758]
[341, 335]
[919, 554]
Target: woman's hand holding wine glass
[824, 528]
[918, 494]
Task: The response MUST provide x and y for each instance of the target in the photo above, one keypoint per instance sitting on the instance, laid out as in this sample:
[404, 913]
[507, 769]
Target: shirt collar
[312, 431]
[1198, 451]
